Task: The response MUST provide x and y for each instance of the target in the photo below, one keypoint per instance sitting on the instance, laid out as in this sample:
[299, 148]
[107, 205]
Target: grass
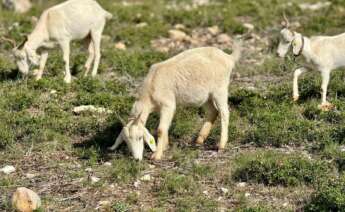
[270, 137]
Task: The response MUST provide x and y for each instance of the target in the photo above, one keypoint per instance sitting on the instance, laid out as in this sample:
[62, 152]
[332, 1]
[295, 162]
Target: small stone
[224, 190]
[137, 184]
[247, 194]
[223, 38]
[107, 164]
[342, 148]
[179, 26]
[242, 184]
[95, 179]
[25, 200]
[141, 25]
[146, 177]
[89, 108]
[120, 45]
[30, 176]
[285, 204]
[205, 192]
[177, 35]
[152, 166]
[213, 30]
[89, 169]
[8, 169]
[53, 92]
[248, 26]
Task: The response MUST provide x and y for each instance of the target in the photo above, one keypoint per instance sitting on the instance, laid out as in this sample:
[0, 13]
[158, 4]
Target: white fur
[326, 53]
[197, 77]
[63, 23]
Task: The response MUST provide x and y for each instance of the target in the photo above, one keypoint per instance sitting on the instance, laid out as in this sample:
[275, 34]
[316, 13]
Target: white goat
[199, 77]
[19, 6]
[326, 53]
[71, 20]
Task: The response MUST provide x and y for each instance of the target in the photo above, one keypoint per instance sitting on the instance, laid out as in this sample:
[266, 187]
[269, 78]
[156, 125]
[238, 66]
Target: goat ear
[150, 140]
[118, 142]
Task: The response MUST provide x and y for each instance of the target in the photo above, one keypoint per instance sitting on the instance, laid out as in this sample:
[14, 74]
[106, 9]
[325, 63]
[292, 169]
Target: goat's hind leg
[211, 116]
[65, 45]
[96, 36]
[325, 105]
[90, 59]
[221, 100]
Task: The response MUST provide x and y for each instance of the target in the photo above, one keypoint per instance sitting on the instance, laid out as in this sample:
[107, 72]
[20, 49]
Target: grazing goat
[197, 77]
[326, 53]
[71, 20]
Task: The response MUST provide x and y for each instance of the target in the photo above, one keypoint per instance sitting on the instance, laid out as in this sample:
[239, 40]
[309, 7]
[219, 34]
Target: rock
[94, 179]
[248, 26]
[213, 30]
[107, 164]
[342, 148]
[242, 184]
[205, 192]
[223, 38]
[179, 26]
[30, 176]
[314, 7]
[90, 108]
[224, 190]
[146, 177]
[19, 6]
[177, 34]
[8, 169]
[89, 169]
[141, 25]
[25, 200]
[152, 166]
[120, 45]
[137, 184]
[53, 92]
[247, 194]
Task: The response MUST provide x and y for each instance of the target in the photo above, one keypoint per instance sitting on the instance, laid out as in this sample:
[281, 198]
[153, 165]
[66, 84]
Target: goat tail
[108, 15]
[237, 49]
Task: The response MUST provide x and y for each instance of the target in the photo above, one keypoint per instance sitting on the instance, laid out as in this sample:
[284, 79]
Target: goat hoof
[295, 98]
[156, 157]
[68, 80]
[326, 106]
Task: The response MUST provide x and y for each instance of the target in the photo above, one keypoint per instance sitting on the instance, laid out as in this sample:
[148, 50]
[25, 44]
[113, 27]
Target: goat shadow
[101, 141]
[12, 74]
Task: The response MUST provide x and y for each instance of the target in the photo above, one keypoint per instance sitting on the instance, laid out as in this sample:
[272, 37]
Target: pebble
[25, 200]
[8, 169]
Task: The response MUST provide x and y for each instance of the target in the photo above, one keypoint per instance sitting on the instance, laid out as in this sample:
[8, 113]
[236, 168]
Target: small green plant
[120, 207]
[329, 196]
[274, 169]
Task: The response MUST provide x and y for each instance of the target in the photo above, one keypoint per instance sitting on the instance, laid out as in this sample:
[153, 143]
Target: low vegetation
[281, 156]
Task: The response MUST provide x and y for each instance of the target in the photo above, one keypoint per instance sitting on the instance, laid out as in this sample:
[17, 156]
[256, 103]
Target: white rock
[95, 179]
[177, 34]
[342, 148]
[53, 92]
[249, 26]
[89, 169]
[107, 164]
[120, 45]
[8, 169]
[90, 108]
[285, 204]
[247, 194]
[223, 38]
[205, 192]
[137, 184]
[30, 176]
[242, 184]
[25, 200]
[152, 166]
[146, 177]
[224, 190]
[141, 25]
[213, 30]
[314, 7]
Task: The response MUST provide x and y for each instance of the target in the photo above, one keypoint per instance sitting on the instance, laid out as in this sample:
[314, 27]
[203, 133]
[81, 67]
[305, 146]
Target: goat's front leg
[38, 73]
[325, 105]
[65, 45]
[297, 74]
[167, 114]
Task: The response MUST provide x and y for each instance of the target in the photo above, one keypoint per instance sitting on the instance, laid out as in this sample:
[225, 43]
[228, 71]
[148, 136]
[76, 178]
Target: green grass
[39, 132]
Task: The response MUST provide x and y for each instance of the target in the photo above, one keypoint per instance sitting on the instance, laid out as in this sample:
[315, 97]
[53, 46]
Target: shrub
[276, 169]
